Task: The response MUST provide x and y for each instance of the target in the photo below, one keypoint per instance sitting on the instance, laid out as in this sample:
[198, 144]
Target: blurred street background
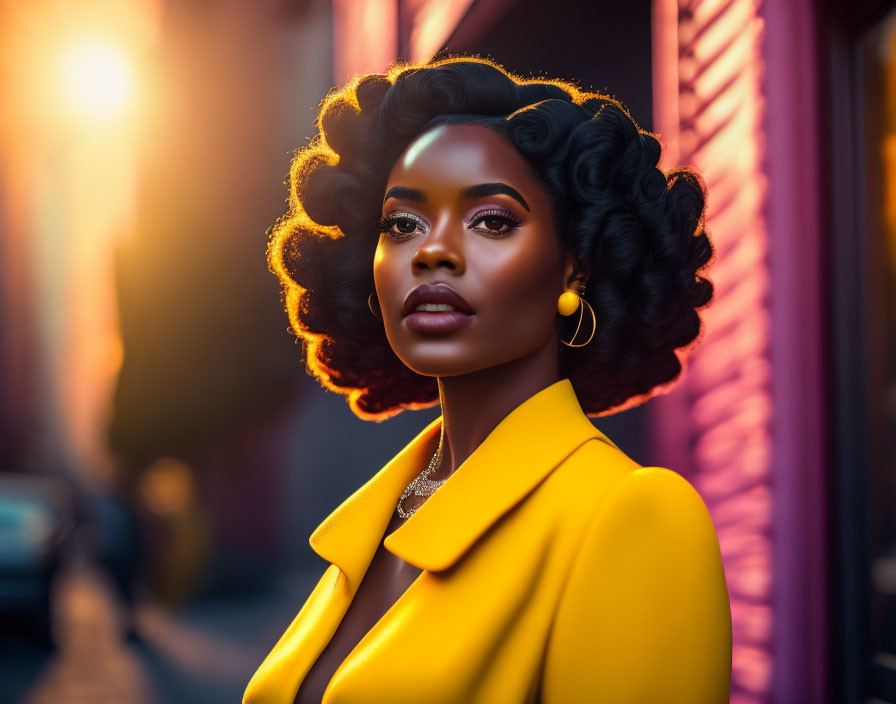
[164, 457]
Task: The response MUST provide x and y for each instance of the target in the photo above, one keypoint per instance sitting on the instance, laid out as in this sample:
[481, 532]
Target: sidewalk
[203, 654]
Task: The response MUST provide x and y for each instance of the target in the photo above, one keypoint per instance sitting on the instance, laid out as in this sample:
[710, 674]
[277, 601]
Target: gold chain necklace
[422, 485]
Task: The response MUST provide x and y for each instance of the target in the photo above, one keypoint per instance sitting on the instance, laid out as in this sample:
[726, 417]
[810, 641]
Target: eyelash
[510, 220]
[385, 224]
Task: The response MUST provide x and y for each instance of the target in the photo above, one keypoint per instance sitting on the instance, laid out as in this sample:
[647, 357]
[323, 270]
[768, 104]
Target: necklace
[422, 485]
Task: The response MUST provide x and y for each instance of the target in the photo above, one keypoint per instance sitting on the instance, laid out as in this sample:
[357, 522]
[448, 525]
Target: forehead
[459, 155]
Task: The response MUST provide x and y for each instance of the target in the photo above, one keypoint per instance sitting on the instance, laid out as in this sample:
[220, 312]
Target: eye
[400, 225]
[494, 222]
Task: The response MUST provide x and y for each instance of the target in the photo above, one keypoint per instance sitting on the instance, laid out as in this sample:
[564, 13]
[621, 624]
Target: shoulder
[631, 498]
[654, 523]
[645, 607]
[617, 507]
[648, 499]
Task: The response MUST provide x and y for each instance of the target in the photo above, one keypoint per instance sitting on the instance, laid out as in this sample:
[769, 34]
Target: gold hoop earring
[374, 304]
[570, 302]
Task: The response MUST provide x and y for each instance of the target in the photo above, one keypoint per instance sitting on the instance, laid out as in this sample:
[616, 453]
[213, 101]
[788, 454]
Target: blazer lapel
[516, 456]
[347, 538]
[350, 535]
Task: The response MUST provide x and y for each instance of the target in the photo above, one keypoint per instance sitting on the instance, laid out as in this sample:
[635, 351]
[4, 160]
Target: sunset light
[96, 79]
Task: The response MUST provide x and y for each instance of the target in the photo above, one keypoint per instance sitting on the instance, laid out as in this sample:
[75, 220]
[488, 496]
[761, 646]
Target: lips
[435, 294]
[436, 309]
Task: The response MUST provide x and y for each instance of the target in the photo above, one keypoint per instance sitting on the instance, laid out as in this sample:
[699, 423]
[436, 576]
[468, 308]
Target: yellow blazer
[555, 570]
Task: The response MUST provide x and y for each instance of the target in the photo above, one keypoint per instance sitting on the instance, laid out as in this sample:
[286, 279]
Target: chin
[436, 365]
[447, 360]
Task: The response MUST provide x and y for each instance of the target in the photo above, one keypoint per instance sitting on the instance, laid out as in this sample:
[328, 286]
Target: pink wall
[734, 98]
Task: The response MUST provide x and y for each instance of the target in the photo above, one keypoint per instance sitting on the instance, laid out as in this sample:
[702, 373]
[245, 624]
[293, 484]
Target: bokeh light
[97, 80]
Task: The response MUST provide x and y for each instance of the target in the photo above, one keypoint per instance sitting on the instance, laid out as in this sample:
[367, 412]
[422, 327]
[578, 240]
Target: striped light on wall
[716, 423]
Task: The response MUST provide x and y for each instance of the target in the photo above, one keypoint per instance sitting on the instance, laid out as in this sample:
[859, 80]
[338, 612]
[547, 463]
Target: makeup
[436, 309]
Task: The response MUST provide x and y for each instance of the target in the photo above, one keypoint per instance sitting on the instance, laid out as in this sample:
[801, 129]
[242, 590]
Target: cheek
[525, 277]
[378, 263]
[384, 267]
[389, 273]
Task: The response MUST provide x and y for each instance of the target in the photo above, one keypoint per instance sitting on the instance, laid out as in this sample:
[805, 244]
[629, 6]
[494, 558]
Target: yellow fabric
[555, 570]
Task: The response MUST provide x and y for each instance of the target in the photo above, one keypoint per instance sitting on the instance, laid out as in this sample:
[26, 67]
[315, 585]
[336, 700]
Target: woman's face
[463, 217]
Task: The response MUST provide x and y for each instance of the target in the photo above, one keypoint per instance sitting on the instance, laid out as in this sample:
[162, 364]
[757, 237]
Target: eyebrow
[404, 193]
[480, 190]
[494, 189]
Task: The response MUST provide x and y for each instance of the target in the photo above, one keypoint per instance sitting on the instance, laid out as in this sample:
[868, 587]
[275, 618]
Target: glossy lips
[436, 321]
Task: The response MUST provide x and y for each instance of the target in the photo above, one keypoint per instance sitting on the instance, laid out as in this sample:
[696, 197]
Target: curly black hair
[640, 232]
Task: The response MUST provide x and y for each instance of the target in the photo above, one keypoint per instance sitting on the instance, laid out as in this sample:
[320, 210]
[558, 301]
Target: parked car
[36, 524]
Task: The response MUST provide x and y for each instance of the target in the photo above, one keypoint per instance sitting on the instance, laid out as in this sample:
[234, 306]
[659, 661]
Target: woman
[508, 249]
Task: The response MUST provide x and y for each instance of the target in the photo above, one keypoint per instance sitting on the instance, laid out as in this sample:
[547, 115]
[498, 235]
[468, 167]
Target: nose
[441, 247]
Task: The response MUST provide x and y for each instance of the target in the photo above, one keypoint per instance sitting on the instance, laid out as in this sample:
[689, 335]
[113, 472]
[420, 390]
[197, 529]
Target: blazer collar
[514, 458]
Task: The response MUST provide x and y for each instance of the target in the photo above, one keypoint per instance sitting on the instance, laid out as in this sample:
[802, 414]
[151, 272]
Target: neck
[474, 404]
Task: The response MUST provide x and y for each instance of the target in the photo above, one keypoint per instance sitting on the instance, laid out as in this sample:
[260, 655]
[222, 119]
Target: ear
[575, 273]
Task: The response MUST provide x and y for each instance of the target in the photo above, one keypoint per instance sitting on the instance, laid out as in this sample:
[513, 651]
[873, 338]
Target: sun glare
[96, 79]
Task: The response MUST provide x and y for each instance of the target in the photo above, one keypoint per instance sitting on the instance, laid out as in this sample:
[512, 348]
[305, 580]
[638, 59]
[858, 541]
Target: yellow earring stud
[570, 302]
